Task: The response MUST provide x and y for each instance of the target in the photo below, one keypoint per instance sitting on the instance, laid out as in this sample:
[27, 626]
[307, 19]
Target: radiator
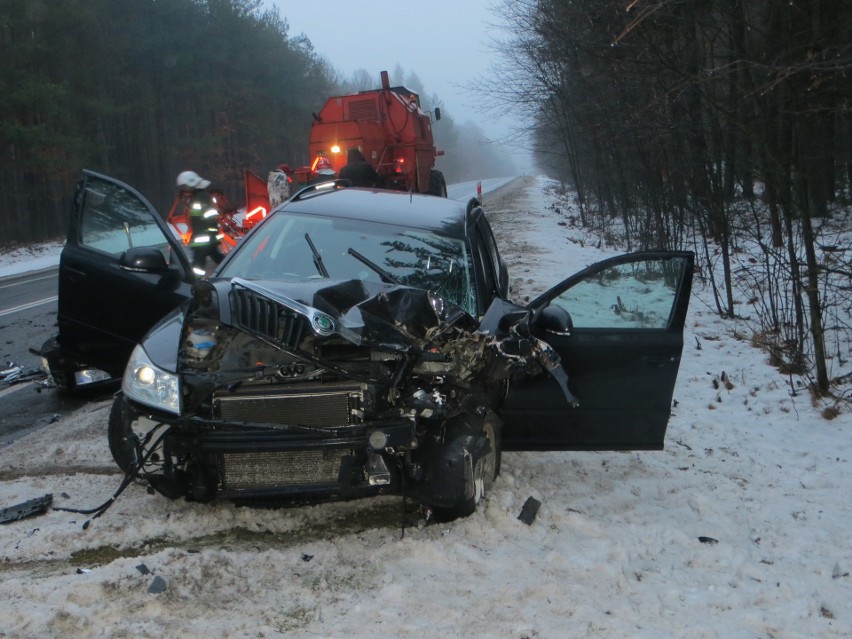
[308, 405]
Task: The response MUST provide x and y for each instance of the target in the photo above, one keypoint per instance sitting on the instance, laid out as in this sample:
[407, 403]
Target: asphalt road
[27, 320]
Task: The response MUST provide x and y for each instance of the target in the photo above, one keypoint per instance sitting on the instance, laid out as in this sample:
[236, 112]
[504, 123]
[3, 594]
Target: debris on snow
[529, 510]
[157, 586]
[37, 506]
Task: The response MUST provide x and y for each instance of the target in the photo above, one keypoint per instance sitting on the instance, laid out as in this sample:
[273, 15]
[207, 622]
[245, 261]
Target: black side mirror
[437, 113]
[555, 319]
[145, 259]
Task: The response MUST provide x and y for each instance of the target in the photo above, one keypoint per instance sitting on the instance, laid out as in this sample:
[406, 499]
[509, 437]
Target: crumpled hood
[388, 316]
[402, 319]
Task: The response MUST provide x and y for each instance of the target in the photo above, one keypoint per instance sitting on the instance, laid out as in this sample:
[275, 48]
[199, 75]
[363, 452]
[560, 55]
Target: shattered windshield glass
[280, 251]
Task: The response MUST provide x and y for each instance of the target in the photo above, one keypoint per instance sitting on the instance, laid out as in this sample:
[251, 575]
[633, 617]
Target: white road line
[24, 307]
[15, 387]
[27, 281]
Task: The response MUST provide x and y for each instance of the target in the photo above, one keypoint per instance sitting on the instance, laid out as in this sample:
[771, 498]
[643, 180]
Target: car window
[279, 250]
[638, 294]
[113, 220]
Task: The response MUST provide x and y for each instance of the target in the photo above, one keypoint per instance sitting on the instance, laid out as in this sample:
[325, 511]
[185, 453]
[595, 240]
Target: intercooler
[279, 470]
[267, 469]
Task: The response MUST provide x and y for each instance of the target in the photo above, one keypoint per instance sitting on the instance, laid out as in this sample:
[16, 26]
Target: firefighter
[358, 170]
[204, 220]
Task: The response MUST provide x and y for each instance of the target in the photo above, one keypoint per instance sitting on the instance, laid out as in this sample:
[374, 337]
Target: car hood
[387, 316]
[421, 331]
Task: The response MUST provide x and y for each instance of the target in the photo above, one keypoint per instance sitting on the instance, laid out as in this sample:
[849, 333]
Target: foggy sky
[443, 41]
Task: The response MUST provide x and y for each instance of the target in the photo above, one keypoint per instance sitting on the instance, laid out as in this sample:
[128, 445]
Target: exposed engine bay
[367, 388]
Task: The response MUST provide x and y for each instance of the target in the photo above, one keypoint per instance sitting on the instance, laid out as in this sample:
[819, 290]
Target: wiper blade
[386, 277]
[317, 258]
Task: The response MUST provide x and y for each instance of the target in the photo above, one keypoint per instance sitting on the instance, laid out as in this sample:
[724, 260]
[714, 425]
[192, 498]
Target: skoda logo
[323, 324]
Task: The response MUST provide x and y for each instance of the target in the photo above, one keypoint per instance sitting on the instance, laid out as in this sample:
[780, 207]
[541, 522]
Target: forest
[710, 123]
[679, 123]
[143, 89]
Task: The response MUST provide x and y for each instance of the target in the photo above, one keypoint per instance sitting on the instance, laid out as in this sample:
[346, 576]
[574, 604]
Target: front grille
[363, 109]
[279, 470]
[308, 405]
[262, 316]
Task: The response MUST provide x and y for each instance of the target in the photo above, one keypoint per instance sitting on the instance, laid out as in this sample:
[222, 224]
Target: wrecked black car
[357, 342]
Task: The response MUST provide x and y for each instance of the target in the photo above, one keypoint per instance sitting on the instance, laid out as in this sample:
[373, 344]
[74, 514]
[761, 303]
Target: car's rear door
[622, 358]
[105, 309]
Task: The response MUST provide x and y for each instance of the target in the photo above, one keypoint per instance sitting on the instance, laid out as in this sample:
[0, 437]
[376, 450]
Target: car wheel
[122, 439]
[484, 467]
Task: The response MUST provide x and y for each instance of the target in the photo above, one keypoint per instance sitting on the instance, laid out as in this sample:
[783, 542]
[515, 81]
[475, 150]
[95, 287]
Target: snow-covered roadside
[616, 550]
[31, 258]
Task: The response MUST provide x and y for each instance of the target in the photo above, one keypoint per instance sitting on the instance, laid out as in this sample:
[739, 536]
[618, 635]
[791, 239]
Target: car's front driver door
[621, 355]
[106, 301]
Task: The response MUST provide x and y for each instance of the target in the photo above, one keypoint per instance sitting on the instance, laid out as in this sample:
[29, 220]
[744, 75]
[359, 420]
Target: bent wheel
[484, 468]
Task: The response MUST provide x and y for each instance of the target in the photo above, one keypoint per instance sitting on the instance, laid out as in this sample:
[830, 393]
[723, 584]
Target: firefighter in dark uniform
[204, 221]
[358, 170]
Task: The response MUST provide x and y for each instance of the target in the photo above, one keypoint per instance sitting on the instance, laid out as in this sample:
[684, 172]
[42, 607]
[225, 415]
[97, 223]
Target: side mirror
[556, 320]
[144, 259]
[437, 113]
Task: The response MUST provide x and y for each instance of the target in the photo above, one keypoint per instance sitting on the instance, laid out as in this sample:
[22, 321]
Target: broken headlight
[150, 385]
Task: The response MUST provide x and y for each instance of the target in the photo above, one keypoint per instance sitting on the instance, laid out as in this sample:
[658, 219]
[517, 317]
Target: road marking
[15, 387]
[27, 281]
[24, 307]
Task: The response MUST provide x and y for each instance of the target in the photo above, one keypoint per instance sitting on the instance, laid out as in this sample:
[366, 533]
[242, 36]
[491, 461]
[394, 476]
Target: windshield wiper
[317, 257]
[386, 277]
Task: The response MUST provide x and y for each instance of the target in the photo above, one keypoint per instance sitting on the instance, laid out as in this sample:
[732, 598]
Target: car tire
[122, 439]
[486, 468]
[437, 184]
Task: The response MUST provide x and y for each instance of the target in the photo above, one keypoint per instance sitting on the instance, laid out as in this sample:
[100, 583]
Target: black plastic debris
[306, 558]
[157, 586]
[37, 506]
[143, 569]
[529, 510]
[708, 540]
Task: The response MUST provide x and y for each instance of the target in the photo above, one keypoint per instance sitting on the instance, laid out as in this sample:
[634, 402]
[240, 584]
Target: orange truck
[390, 129]
[387, 125]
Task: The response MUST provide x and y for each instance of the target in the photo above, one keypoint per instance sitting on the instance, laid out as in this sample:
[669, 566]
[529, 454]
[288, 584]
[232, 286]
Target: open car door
[120, 271]
[621, 355]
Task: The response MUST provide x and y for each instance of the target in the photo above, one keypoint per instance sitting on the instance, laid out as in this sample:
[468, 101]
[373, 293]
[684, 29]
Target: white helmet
[191, 180]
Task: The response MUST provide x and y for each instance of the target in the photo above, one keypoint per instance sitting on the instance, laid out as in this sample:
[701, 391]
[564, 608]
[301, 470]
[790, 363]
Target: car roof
[413, 210]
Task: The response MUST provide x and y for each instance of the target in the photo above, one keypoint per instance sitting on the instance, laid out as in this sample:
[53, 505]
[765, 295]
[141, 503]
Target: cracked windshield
[296, 247]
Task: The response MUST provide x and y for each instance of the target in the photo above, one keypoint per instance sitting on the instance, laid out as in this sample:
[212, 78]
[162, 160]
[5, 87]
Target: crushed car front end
[332, 390]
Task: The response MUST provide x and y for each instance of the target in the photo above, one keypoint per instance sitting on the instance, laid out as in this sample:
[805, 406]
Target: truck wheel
[437, 184]
[485, 466]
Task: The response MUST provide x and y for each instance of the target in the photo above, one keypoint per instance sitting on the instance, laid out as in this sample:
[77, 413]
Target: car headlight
[150, 385]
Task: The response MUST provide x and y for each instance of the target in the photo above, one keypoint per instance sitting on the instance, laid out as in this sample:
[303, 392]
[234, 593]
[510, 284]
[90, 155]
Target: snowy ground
[739, 529]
